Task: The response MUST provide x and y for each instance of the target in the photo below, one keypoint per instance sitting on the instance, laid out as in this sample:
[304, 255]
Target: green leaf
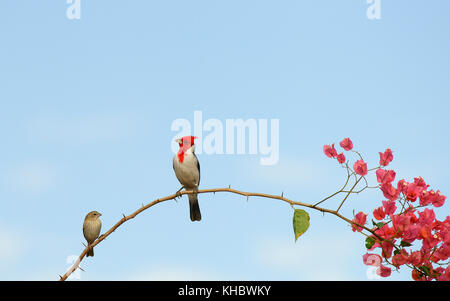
[405, 244]
[435, 274]
[370, 241]
[425, 270]
[301, 222]
[379, 225]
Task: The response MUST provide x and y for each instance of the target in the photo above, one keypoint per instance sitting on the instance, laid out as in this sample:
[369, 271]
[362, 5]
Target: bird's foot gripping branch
[404, 231]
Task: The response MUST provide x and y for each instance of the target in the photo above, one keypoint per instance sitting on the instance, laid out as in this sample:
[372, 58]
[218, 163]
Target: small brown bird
[91, 229]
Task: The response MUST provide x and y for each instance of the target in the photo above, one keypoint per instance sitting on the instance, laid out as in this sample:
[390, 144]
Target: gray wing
[198, 167]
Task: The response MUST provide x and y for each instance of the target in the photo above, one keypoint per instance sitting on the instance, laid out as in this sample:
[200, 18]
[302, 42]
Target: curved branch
[76, 265]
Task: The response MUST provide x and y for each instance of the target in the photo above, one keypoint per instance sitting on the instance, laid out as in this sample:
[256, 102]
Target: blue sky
[87, 107]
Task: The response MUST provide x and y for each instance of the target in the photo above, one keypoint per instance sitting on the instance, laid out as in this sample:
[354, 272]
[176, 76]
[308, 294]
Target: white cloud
[33, 178]
[11, 247]
[91, 128]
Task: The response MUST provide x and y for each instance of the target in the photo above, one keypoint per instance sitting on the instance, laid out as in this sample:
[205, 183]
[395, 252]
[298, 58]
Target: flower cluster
[330, 151]
[405, 228]
[408, 235]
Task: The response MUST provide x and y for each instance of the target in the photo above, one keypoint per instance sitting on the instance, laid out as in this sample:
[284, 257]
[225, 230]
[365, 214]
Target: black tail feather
[194, 208]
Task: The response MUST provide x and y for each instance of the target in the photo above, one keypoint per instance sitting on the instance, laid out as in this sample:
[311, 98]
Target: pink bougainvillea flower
[385, 176]
[401, 186]
[389, 191]
[400, 258]
[383, 271]
[372, 259]
[420, 182]
[438, 200]
[386, 157]
[415, 258]
[360, 167]
[397, 233]
[330, 151]
[375, 245]
[426, 197]
[379, 213]
[441, 253]
[389, 207]
[425, 233]
[387, 248]
[411, 233]
[403, 222]
[360, 219]
[447, 274]
[385, 232]
[426, 217]
[429, 241]
[346, 144]
[442, 276]
[412, 192]
[341, 158]
[400, 222]
[416, 275]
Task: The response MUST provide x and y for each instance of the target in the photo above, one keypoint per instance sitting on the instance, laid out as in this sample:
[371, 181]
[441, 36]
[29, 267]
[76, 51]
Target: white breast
[187, 172]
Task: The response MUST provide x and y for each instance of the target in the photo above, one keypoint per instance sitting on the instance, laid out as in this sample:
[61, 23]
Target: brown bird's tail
[194, 208]
[90, 252]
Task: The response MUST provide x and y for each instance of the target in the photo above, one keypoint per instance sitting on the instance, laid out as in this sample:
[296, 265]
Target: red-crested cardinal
[187, 170]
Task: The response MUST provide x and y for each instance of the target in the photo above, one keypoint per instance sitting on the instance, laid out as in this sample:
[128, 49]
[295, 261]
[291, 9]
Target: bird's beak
[178, 141]
[99, 214]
